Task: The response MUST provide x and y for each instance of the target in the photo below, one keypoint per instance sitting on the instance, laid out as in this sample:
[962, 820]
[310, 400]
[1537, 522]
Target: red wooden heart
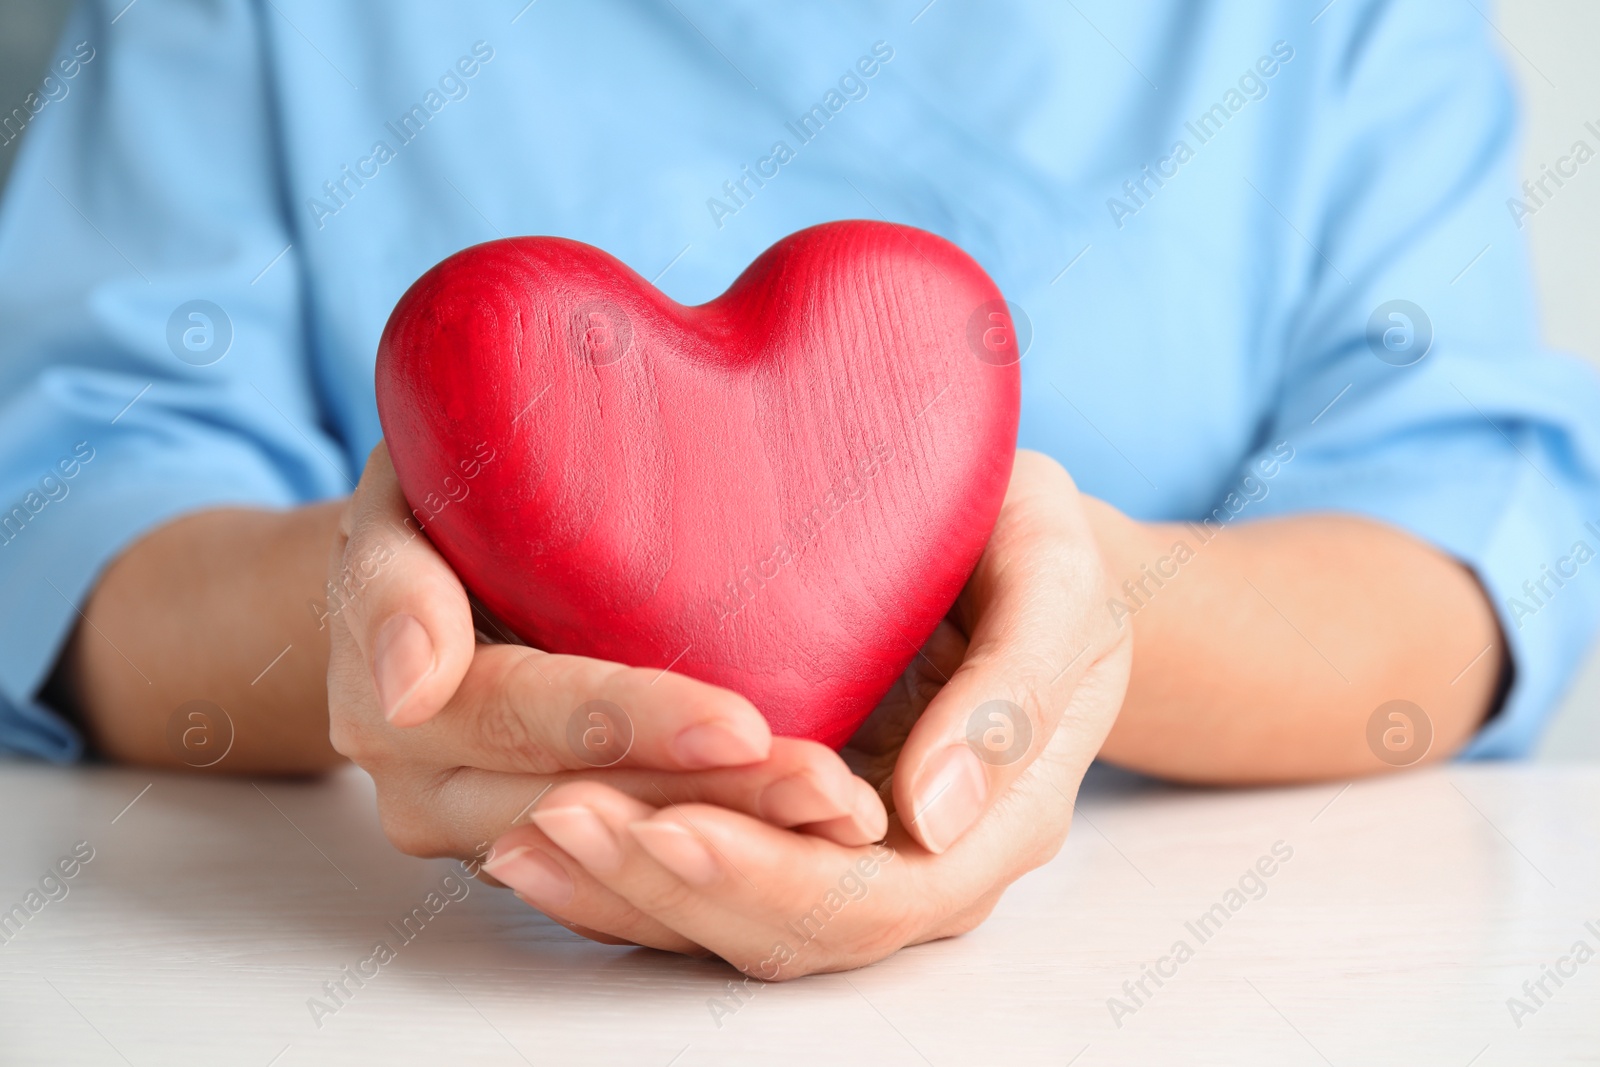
[781, 491]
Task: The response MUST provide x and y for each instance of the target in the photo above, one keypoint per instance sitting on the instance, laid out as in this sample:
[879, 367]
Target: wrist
[1129, 548]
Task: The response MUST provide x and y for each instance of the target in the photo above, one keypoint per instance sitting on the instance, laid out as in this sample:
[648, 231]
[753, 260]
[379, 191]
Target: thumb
[400, 601]
[1038, 630]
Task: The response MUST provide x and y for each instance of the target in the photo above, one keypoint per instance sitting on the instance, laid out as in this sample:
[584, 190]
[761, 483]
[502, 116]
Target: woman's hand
[463, 737]
[981, 747]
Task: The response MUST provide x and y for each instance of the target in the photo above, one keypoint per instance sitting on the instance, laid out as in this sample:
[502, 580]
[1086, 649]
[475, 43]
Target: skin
[1279, 639]
[1261, 661]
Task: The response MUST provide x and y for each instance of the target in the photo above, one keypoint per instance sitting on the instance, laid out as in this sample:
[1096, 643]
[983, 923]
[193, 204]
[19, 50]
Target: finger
[590, 823]
[399, 600]
[1036, 620]
[845, 830]
[459, 811]
[739, 886]
[872, 751]
[778, 904]
[519, 709]
[545, 877]
[802, 784]
[605, 938]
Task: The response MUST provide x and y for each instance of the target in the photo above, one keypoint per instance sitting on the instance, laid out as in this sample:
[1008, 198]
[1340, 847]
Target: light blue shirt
[1206, 213]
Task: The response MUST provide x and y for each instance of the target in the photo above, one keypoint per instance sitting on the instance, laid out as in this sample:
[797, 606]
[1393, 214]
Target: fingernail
[582, 835]
[950, 798]
[794, 801]
[868, 810]
[678, 850]
[402, 657]
[716, 744]
[533, 875]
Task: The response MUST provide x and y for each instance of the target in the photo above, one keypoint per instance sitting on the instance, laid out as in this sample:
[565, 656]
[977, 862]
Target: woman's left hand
[979, 749]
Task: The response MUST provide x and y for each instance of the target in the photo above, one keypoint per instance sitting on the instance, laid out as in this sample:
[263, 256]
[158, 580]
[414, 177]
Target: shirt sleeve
[154, 360]
[1414, 388]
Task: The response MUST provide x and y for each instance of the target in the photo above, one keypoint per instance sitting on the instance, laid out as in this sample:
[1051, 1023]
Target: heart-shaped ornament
[781, 491]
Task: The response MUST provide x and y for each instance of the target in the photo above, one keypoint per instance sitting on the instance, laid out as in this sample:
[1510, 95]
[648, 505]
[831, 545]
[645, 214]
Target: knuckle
[354, 740]
[1042, 852]
[405, 825]
[877, 940]
[355, 728]
[973, 917]
[1043, 466]
[372, 547]
[345, 738]
[1040, 846]
[503, 725]
[789, 965]
[1041, 716]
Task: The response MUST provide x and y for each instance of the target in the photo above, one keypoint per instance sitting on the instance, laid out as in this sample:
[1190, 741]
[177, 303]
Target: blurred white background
[1549, 45]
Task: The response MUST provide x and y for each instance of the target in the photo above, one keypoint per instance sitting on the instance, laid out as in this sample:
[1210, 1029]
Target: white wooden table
[1410, 910]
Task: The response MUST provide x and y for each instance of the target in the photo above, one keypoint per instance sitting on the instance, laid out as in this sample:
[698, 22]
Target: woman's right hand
[462, 737]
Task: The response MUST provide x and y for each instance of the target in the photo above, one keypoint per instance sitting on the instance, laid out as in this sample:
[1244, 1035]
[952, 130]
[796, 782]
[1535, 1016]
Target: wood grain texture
[1411, 909]
[780, 491]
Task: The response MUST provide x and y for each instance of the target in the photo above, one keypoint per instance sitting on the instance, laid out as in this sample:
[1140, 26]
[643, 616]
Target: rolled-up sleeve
[154, 360]
[1415, 389]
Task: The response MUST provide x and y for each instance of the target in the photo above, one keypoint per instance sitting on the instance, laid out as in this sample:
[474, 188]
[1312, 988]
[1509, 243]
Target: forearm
[1261, 655]
[200, 609]
[1259, 658]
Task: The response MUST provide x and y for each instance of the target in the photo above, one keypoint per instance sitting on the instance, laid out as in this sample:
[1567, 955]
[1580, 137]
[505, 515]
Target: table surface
[1409, 911]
